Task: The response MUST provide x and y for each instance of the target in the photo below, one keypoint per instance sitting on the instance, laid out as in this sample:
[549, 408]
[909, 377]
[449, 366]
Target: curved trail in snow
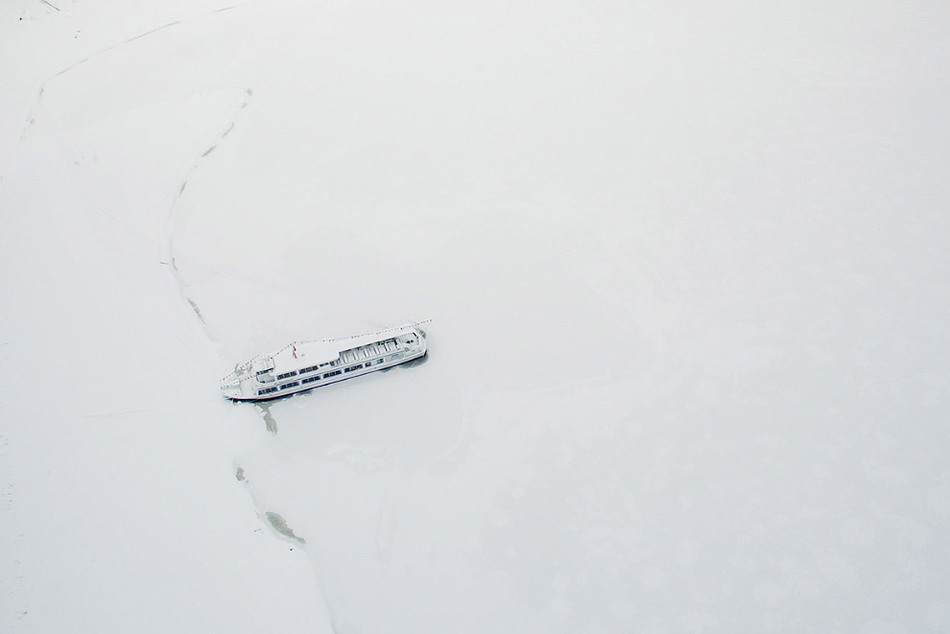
[279, 527]
[38, 98]
[171, 216]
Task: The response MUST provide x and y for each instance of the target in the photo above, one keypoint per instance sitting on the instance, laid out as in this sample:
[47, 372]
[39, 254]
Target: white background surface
[689, 283]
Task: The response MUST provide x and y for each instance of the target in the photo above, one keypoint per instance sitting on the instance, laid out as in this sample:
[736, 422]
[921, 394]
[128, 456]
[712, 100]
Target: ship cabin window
[311, 379]
[310, 369]
[286, 374]
[266, 390]
[334, 373]
[290, 385]
[353, 367]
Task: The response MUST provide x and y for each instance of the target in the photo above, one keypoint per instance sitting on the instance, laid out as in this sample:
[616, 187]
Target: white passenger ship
[305, 365]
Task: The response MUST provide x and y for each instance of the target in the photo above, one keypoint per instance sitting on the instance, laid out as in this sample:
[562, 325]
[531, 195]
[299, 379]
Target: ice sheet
[687, 272]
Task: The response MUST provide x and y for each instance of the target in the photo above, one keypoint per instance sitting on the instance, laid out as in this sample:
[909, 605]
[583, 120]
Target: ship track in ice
[302, 366]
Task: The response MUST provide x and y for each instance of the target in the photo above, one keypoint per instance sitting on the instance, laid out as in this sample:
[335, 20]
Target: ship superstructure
[305, 365]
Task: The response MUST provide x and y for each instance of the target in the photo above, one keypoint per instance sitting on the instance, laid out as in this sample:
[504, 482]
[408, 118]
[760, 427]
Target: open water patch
[269, 420]
[279, 524]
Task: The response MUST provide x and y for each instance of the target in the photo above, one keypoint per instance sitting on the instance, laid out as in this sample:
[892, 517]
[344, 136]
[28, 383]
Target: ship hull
[301, 367]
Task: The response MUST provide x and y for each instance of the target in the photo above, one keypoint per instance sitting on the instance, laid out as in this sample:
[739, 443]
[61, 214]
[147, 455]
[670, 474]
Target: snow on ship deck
[301, 366]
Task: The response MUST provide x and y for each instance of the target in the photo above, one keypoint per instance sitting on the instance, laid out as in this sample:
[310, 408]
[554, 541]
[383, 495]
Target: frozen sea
[688, 273]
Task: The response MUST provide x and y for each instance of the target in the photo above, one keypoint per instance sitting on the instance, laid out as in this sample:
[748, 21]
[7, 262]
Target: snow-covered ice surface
[688, 272]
